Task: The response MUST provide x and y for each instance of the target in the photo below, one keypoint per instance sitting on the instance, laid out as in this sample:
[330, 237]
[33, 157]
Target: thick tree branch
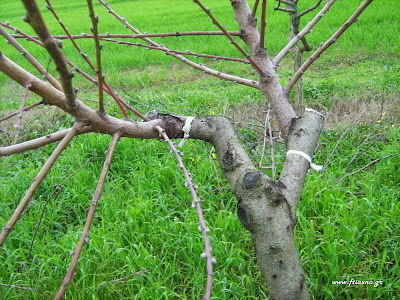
[326, 45]
[34, 18]
[105, 124]
[269, 82]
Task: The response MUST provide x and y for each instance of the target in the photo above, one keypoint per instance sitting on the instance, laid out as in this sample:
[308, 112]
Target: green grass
[144, 221]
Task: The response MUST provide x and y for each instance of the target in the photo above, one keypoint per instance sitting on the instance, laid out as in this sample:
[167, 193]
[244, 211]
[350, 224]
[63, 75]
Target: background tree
[266, 207]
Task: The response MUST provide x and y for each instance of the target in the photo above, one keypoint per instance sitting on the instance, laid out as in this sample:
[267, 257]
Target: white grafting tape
[314, 111]
[186, 129]
[307, 157]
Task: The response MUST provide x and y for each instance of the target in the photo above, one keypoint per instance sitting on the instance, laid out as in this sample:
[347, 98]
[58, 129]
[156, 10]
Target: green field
[348, 229]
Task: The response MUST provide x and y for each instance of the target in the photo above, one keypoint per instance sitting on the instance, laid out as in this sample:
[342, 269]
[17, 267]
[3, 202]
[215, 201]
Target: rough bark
[265, 208]
[269, 80]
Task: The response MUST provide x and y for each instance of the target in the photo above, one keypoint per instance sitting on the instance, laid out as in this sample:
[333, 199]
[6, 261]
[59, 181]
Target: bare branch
[16, 113]
[187, 52]
[34, 18]
[350, 127]
[86, 58]
[40, 142]
[287, 2]
[262, 33]
[38, 179]
[285, 9]
[21, 109]
[58, 187]
[139, 36]
[85, 233]
[302, 33]
[326, 45]
[18, 287]
[366, 166]
[310, 9]
[105, 124]
[216, 23]
[95, 20]
[254, 10]
[196, 205]
[271, 141]
[30, 58]
[124, 278]
[207, 70]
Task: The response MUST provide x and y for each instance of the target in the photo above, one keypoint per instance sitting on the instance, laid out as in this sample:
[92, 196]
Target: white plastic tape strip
[186, 129]
[314, 111]
[307, 157]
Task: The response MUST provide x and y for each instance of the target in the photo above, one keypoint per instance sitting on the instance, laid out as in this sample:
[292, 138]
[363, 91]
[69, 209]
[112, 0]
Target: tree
[266, 207]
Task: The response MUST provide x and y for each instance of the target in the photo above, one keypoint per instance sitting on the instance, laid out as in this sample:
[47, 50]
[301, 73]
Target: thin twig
[357, 154]
[216, 23]
[21, 109]
[326, 45]
[38, 179]
[95, 20]
[34, 18]
[351, 126]
[366, 166]
[315, 6]
[302, 33]
[17, 112]
[287, 2]
[18, 287]
[85, 233]
[216, 175]
[139, 36]
[187, 52]
[124, 278]
[58, 187]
